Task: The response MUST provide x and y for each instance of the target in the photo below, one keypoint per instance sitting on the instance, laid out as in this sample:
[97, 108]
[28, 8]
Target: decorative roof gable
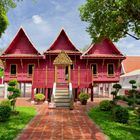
[104, 48]
[62, 42]
[21, 44]
[62, 59]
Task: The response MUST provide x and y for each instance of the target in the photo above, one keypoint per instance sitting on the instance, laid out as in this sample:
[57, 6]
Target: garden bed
[114, 130]
[10, 129]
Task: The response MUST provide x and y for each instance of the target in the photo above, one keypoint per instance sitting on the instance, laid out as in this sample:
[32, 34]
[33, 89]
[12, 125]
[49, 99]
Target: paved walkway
[62, 124]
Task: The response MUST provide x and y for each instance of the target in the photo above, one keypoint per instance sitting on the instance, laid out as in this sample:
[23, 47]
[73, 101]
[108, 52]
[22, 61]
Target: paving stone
[60, 124]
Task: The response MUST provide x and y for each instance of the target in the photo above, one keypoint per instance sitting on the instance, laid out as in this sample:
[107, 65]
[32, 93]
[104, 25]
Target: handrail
[70, 90]
[54, 88]
[53, 92]
[71, 96]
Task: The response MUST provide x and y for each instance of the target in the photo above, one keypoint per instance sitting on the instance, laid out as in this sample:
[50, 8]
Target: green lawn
[10, 129]
[114, 130]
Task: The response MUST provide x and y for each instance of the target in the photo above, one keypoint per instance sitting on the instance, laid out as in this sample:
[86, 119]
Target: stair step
[61, 100]
[61, 94]
[62, 104]
[62, 90]
[61, 97]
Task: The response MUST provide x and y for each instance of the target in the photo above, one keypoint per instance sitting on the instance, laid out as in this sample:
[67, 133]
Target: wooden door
[61, 74]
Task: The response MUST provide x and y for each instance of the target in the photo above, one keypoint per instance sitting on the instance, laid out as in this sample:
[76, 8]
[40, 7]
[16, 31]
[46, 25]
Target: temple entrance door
[61, 74]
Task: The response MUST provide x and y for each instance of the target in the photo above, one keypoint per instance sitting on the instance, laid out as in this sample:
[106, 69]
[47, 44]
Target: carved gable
[62, 59]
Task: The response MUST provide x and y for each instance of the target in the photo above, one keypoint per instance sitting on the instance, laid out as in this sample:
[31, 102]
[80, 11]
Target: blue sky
[43, 20]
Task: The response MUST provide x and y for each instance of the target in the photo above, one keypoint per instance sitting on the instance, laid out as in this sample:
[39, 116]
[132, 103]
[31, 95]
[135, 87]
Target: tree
[117, 87]
[14, 92]
[111, 18]
[133, 91]
[5, 5]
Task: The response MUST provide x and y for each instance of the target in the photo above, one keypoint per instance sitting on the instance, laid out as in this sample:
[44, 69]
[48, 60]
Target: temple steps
[62, 98]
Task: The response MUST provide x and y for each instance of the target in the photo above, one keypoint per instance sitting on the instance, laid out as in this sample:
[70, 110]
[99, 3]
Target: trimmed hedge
[121, 114]
[5, 112]
[105, 105]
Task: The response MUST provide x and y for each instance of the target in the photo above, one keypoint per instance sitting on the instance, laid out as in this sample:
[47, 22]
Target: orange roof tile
[131, 63]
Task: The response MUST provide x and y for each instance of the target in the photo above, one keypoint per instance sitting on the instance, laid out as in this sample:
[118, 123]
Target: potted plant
[39, 98]
[83, 97]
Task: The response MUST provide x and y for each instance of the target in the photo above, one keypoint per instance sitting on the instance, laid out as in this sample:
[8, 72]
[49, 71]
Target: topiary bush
[120, 114]
[5, 102]
[39, 97]
[5, 112]
[105, 105]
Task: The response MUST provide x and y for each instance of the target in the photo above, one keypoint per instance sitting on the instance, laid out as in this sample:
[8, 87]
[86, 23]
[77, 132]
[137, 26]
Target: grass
[10, 129]
[114, 130]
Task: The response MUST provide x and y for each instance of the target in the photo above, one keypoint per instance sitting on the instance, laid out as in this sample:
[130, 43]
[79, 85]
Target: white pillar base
[32, 102]
[5, 90]
[46, 102]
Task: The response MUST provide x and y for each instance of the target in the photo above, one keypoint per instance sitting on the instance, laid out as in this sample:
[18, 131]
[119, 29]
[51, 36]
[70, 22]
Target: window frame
[30, 75]
[13, 75]
[110, 75]
[91, 66]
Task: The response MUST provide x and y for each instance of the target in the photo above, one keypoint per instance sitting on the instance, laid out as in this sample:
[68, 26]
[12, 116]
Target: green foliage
[10, 89]
[83, 96]
[39, 97]
[1, 72]
[132, 82]
[14, 92]
[133, 91]
[4, 7]
[13, 126]
[117, 87]
[109, 18]
[116, 131]
[130, 101]
[105, 105]
[5, 103]
[121, 114]
[13, 82]
[5, 111]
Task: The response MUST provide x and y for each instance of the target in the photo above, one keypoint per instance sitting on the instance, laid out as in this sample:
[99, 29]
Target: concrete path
[62, 124]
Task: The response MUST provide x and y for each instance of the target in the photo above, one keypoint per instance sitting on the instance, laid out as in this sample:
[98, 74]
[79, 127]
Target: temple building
[62, 67]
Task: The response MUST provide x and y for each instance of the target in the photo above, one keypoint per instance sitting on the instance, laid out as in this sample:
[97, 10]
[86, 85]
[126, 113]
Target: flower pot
[84, 102]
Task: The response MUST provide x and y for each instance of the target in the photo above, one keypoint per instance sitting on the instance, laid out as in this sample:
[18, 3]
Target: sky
[44, 19]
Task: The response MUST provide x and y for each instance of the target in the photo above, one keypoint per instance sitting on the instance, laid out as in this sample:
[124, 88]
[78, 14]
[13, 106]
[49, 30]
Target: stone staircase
[62, 98]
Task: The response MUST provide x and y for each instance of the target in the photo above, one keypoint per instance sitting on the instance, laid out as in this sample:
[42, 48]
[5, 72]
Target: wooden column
[92, 93]
[32, 98]
[87, 90]
[24, 89]
[46, 94]
[55, 78]
[78, 75]
[69, 74]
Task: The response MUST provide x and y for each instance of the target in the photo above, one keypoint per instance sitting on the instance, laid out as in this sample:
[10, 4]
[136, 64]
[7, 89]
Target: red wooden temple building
[62, 67]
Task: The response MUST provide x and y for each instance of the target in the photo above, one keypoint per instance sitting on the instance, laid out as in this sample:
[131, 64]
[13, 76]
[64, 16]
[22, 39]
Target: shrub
[138, 101]
[13, 82]
[121, 114]
[83, 96]
[5, 103]
[5, 112]
[39, 97]
[130, 102]
[105, 105]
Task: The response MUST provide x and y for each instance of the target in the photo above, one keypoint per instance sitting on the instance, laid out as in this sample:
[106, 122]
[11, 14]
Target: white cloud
[37, 19]
[58, 6]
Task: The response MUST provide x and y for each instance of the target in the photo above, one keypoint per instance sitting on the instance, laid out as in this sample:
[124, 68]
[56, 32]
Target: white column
[99, 91]
[5, 90]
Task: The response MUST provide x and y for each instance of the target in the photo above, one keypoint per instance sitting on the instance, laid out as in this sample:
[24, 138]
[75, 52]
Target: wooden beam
[55, 73]
[21, 63]
[69, 73]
